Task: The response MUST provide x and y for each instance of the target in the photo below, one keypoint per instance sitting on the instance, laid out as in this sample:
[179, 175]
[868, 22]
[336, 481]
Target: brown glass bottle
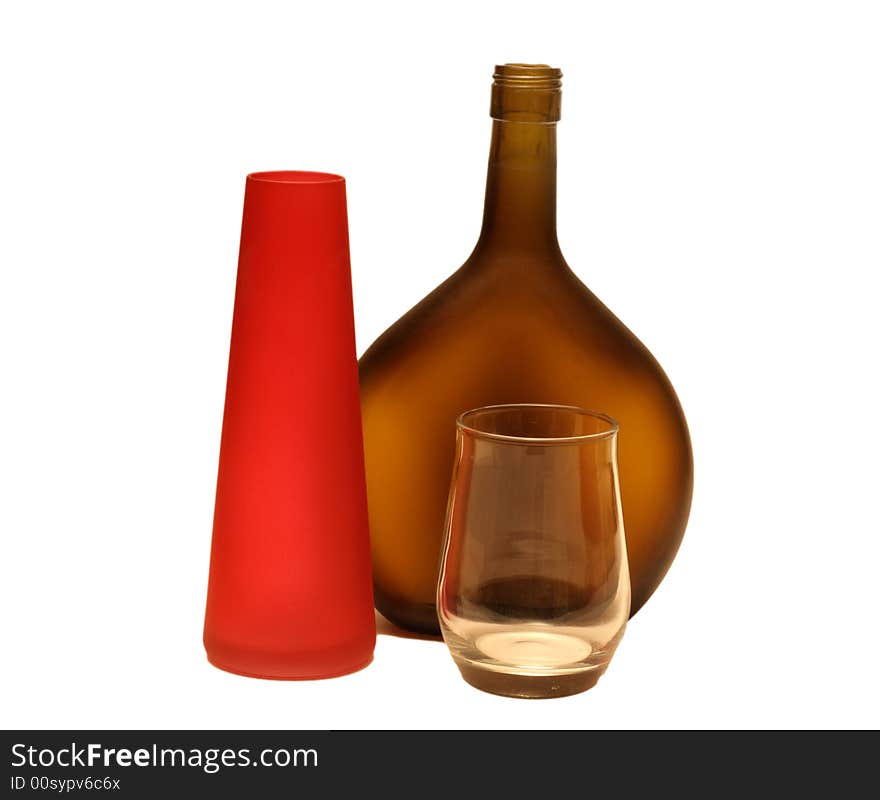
[512, 325]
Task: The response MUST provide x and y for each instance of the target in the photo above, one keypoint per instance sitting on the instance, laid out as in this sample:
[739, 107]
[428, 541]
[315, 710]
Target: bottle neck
[520, 207]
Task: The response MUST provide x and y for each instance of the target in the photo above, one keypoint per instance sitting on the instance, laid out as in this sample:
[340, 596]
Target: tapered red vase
[290, 588]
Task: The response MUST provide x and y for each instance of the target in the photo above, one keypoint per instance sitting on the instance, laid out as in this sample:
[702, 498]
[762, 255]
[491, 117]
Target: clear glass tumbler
[534, 587]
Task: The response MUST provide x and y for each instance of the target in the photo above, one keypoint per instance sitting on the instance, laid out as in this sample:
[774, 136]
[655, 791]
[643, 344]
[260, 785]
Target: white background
[719, 190]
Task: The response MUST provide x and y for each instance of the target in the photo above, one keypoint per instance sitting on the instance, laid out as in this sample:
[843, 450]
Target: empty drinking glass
[534, 587]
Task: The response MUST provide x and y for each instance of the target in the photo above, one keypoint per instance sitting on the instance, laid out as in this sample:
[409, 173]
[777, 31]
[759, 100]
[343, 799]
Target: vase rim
[464, 420]
[295, 176]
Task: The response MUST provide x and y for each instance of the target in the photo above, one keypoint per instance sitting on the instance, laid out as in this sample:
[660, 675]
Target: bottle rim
[528, 76]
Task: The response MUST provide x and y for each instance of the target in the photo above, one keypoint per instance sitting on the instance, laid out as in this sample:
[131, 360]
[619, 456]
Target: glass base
[517, 684]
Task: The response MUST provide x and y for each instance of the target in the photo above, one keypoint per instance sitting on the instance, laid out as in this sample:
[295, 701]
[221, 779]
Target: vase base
[318, 676]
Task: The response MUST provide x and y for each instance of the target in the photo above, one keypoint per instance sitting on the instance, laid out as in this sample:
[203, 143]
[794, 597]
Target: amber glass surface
[512, 325]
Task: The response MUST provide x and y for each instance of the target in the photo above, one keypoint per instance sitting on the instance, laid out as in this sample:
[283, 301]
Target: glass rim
[611, 431]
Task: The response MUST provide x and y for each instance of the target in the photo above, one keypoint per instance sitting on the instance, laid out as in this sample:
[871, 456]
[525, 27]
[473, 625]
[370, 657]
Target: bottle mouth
[526, 93]
[528, 76]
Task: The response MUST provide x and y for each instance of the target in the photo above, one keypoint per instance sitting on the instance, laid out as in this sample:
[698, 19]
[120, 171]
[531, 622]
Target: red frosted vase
[290, 586]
